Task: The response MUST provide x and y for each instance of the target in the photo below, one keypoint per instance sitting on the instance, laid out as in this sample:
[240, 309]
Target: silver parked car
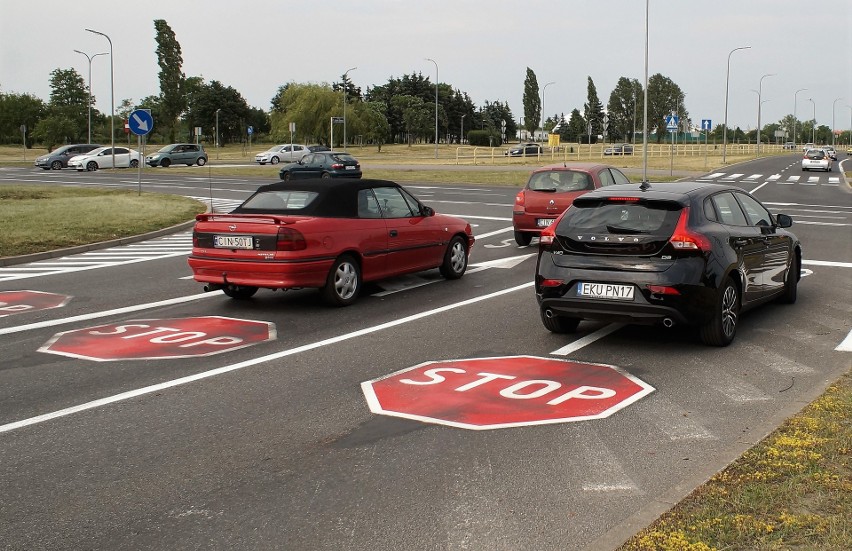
[287, 153]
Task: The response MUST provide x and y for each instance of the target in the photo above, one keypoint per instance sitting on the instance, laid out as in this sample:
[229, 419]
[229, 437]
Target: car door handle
[393, 233]
[740, 242]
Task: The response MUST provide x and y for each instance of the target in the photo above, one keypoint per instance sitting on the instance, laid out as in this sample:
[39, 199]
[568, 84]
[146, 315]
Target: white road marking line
[604, 471]
[846, 345]
[793, 178]
[253, 361]
[827, 262]
[774, 177]
[496, 232]
[588, 339]
[105, 313]
[714, 175]
[806, 222]
[739, 391]
[777, 362]
[758, 187]
[732, 177]
[753, 177]
[672, 420]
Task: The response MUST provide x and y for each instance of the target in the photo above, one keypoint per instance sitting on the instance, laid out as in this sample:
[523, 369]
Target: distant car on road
[831, 152]
[807, 146]
[330, 235]
[525, 150]
[619, 149]
[178, 154]
[59, 157]
[816, 159]
[788, 145]
[325, 164]
[102, 158]
[551, 189]
[286, 153]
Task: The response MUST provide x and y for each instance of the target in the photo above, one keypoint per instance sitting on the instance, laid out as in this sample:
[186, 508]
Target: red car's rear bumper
[269, 274]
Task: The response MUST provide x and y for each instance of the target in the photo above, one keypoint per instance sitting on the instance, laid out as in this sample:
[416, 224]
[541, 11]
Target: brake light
[551, 282]
[662, 290]
[622, 198]
[548, 234]
[337, 166]
[684, 238]
[290, 240]
[520, 203]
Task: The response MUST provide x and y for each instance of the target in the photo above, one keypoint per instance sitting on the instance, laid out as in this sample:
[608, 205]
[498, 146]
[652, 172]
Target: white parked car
[288, 153]
[816, 159]
[102, 158]
[831, 152]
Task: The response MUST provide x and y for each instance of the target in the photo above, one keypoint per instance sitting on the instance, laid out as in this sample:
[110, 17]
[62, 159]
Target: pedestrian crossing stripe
[774, 177]
[754, 177]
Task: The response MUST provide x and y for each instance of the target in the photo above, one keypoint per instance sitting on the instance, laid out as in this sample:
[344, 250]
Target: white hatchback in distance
[816, 159]
[102, 158]
[288, 153]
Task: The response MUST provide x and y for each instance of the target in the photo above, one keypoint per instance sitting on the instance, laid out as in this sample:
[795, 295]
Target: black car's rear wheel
[523, 238]
[343, 283]
[239, 292]
[558, 324]
[286, 176]
[721, 330]
[325, 175]
[791, 283]
[455, 259]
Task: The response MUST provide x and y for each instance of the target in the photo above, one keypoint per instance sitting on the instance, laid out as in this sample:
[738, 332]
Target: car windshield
[96, 151]
[278, 201]
[560, 181]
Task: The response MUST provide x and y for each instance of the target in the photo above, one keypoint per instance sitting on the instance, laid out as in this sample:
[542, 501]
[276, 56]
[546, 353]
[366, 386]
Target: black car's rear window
[620, 217]
[342, 157]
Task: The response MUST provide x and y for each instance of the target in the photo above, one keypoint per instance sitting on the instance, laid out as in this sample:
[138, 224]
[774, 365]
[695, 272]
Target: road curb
[35, 257]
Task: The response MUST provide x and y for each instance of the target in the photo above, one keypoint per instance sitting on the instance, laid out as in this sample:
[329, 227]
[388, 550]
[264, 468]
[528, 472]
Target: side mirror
[427, 211]
[783, 221]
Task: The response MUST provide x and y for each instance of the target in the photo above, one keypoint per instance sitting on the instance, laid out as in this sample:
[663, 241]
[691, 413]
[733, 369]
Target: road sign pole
[141, 160]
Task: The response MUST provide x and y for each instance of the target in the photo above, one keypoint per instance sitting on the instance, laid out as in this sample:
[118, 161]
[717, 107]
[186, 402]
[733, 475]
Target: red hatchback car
[551, 189]
[332, 235]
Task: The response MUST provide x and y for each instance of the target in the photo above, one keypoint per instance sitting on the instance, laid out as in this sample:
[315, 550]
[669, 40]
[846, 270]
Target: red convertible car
[551, 189]
[332, 235]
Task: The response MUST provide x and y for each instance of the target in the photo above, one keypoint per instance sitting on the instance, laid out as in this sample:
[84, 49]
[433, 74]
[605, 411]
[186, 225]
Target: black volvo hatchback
[681, 253]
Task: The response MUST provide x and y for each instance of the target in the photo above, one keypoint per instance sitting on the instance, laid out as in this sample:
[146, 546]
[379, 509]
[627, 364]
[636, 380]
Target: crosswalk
[790, 180]
[219, 205]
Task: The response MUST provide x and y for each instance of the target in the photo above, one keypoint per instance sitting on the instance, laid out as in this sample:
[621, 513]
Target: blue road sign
[671, 122]
[140, 122]
[706, 124]
[250, 130]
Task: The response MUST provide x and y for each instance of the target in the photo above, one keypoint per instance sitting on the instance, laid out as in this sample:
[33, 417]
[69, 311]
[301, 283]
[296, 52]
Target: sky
[481, 47]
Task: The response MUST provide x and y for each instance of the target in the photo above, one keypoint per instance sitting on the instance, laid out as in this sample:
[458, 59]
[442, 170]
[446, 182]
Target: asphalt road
[274, 446]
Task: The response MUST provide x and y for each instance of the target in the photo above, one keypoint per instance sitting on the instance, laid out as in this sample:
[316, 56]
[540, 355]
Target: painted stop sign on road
[514, 391]
[160, 338]
[18, 302]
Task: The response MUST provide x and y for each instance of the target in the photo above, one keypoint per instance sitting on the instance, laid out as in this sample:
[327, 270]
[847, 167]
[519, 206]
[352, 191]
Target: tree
[370, 121]
[623, 108]
[532, 102]
[788, 123]
[234, 113]
[311, 107]
[18, 109]
[416, 116]
[575, 129]
[664, 97]
[173, 101]
[67, 112]
[593, 109]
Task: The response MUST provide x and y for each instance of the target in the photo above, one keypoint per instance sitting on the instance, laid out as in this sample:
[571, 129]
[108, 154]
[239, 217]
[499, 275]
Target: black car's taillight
[686, 239]
[290, 240]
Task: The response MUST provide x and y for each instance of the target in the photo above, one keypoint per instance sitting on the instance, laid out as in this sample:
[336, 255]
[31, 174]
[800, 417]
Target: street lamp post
[217, 134]
[436, 105]
[813, 128]
[833, 139]
[461, 137]
[727, 81]
[759, 103]
[543, 113]
[111, 96]
[90, 58]
[794, 114]
[345, 92]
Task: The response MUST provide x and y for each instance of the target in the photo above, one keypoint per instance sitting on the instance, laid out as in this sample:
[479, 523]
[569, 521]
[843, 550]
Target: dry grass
[791, 491]
[41, 218]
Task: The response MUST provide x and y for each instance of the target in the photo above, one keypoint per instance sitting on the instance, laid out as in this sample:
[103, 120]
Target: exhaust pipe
[668, 322]
[548, 313]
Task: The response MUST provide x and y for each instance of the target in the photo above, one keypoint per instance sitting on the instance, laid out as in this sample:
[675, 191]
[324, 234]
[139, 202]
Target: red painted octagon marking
[18, 302]
[513, 391]
[158, 339]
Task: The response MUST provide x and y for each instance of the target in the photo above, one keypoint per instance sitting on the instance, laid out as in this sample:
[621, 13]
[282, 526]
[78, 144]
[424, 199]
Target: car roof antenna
[645, 185]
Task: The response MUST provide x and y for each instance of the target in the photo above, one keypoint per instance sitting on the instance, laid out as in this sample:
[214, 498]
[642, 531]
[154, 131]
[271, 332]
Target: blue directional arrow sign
[671, 122]
[140, 122]
[706, 124]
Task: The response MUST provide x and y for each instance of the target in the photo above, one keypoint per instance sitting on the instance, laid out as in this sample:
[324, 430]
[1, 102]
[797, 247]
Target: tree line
[403, 110]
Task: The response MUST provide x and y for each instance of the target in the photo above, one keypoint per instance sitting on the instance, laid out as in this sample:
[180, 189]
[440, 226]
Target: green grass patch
[42, 218]
[791, 491]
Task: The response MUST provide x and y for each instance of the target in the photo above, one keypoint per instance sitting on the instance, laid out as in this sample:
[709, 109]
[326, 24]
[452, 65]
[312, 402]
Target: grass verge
[791, 491]
[42, 218]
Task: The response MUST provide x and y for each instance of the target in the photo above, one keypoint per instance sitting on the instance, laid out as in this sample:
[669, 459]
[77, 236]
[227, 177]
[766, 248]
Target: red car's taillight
[195, 238]
[520, 201]
[290, 240]
[684, 238]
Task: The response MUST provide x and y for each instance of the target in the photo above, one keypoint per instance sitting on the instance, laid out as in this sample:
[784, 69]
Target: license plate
[350, 168]
[544, 222]
[233, 242]
[605, 290]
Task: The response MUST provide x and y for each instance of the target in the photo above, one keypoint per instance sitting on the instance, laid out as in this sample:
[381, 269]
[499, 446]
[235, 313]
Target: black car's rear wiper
[619, 229]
